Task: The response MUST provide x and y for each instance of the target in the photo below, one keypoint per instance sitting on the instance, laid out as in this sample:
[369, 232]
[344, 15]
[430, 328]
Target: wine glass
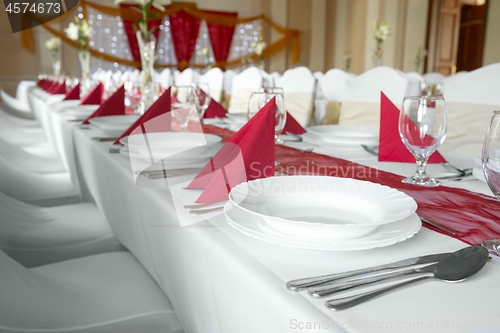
[422, 128]
[491, 155]
[202, 98]
[183, 106]
[259, 99]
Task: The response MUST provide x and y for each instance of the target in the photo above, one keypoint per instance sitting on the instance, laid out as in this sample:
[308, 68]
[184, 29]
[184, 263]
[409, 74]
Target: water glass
[490, 158]
[422, 128]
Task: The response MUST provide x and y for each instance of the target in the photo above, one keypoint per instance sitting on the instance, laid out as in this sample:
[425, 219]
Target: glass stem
[421, 164]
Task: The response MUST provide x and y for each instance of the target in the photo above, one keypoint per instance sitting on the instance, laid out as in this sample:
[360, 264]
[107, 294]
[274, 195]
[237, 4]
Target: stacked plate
[176, 148]
[322, 213]
[113, 125]
[340, 136]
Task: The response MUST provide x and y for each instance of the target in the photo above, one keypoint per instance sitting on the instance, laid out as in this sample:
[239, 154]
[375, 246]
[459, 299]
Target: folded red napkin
[59, 88]
[161, 106]
[73, 94]
[113, 106]
[248, 155]
[292, 125]
[214, 110]
[94, 96]
[391, 148]
[49, 85]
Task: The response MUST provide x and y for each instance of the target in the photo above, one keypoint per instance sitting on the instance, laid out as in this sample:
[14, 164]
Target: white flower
[381, 31]
[86, 30]
[159, 4]
[259, 48]
[53, 43]
[72, 31]
[205, 52]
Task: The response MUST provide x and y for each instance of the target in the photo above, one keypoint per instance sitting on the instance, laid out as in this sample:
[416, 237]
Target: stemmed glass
[422, 128]
[491, 155]
[259, 99]
[490, 160]
[202, 98]
[183, 106]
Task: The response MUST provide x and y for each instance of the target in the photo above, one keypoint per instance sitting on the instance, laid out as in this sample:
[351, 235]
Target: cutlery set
[448, 267]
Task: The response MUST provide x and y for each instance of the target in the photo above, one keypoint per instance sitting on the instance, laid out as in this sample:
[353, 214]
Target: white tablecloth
[220, 280]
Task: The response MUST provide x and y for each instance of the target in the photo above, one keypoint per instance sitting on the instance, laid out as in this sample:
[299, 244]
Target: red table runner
[474, 216]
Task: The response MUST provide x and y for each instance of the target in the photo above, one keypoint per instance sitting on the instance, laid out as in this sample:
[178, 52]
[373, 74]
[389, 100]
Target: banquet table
[220, 280]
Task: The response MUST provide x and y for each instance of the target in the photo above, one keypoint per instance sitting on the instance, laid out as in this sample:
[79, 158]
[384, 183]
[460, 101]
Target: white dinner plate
[113, 125]
[385, 235]
[345, 135]
[240, 118]
[322, 208]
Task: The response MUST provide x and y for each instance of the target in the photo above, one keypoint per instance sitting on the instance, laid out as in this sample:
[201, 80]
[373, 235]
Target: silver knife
[302, 284]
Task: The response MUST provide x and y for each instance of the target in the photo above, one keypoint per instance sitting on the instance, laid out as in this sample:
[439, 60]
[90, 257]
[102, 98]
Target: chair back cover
[214, 77]
[244, 83]
[299, 86]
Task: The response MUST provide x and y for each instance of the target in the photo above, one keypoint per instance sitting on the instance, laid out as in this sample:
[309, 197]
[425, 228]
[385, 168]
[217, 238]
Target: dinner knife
[303, 284]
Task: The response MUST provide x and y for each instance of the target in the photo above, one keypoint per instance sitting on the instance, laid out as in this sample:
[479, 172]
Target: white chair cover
[299, 86]
[244, 83]
[332, 86]
[214, 77]
[22, 90]
[477, 87]
[187, 77]
[165, 78]
[36, 236]
[433, 78]
[361, 105]
[11, 130]
[275, 76]
[318, 75]
[101, 293]
[46, 189]
[36, 158]
[228, 81]
[14, 106]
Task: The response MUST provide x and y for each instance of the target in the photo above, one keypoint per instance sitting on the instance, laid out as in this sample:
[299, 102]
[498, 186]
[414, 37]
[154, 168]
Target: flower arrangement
[206, 53]
[53, 44]
[258, 49]
[420, 54]
[382, 31]
[347, 61]
[79, 31]
[144, 7]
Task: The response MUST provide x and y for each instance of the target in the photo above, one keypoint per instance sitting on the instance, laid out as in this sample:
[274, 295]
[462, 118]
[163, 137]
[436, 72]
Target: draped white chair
[433, 78]
[165, 78]
[15, 106]
[228, 81]
[471, 98]
[103, 293]
[244, 83]
[333, 86]
[36, 236]
[187, 77]
[299, 86]
[47, 189]
[361, 104]
[214, 77]
[318, 75]
[22, 90]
